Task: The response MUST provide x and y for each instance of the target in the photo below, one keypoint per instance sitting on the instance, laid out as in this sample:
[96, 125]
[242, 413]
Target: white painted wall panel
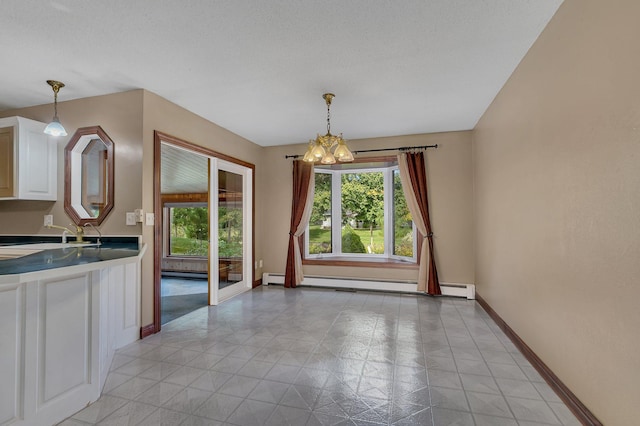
[131, 302]
[65, 335]
[12, 330]
[123, 280]
[106, 326]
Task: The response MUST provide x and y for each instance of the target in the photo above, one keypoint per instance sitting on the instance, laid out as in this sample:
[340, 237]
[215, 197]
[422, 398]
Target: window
[360, 213]
[188, 230]
[319, 231]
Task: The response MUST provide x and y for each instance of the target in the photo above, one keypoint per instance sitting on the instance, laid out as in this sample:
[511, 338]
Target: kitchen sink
[20, 250]
[14, 253]
[49, 246]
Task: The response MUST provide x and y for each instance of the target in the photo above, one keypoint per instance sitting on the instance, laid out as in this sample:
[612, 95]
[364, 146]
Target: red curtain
[412, 166]
[302, 202]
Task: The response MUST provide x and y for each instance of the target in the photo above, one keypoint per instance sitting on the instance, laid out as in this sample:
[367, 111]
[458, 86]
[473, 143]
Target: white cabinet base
[59, 335]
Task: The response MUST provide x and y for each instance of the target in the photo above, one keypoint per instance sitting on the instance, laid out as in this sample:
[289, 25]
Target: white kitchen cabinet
[59, 330]
[28, 161]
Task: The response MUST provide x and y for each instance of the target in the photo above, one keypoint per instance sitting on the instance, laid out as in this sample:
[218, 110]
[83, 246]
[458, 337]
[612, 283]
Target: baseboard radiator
[448, 289]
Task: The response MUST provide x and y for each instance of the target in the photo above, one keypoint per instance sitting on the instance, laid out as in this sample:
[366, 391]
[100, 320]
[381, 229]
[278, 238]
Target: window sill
[369, 263]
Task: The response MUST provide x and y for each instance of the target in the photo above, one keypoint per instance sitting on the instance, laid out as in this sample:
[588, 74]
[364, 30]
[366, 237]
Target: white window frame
[336, 218]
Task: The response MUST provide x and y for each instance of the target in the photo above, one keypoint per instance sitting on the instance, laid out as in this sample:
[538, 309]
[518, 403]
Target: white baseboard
[448, 289]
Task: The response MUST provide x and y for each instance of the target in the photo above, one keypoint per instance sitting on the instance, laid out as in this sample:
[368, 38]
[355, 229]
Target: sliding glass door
[230, 254]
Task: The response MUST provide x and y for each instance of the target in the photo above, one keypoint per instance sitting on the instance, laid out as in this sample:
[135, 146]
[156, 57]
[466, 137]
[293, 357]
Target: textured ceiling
[259, 68]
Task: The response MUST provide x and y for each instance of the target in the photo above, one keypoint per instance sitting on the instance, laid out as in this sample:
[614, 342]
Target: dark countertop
[110, 249]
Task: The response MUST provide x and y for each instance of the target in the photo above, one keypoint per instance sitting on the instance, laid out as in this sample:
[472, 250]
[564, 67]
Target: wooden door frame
[158, 139]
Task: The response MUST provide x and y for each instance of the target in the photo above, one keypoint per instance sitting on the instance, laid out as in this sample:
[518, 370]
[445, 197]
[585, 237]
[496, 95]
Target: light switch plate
[131, 218]
[150, 219]
[139, 215]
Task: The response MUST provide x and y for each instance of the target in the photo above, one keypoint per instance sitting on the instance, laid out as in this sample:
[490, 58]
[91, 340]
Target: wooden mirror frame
[79, 135]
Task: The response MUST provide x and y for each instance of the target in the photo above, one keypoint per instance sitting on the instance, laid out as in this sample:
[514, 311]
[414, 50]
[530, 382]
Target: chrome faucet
[79, 233]
[95, 229]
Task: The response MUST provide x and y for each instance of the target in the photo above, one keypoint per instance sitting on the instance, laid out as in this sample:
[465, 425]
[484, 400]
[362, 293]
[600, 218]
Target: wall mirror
[88, 176]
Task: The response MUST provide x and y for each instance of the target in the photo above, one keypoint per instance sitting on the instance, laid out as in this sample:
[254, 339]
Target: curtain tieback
[429, 235]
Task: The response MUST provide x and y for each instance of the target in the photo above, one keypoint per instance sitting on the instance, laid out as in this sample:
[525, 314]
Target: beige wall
[449, 172]
[130, 119]
[120, 116]
[557, 202]
[167, 117]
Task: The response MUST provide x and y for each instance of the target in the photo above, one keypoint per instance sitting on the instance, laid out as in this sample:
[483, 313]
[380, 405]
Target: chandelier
[320, 148]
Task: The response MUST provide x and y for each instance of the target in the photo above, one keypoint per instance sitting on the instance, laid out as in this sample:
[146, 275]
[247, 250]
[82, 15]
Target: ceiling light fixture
[320, 149]
[55, 128]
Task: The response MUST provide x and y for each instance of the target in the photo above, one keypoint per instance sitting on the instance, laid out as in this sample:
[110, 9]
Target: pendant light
[55, 128]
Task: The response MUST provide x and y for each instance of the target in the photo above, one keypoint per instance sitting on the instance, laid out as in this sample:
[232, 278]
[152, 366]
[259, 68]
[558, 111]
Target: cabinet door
[37, 164]
[6, 162]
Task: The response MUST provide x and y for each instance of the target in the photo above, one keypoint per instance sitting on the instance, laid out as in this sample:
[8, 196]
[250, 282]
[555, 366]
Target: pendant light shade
[55, 128]
[342, 153]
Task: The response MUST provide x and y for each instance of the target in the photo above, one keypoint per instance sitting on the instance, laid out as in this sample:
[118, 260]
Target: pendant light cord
[55, 100]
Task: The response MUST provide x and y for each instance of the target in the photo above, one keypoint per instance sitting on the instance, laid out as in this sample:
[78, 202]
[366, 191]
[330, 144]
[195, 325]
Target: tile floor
[179, 296]
[176, 286]
[319, 357]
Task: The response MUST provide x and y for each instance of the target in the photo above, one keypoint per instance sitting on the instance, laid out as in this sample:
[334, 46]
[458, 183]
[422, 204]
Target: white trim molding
[448, 289]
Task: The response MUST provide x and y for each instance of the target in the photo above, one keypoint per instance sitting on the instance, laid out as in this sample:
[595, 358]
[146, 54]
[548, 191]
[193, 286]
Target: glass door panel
[230, 257]
[230, 229]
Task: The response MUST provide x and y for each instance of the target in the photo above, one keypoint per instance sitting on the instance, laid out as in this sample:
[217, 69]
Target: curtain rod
[402, 148]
